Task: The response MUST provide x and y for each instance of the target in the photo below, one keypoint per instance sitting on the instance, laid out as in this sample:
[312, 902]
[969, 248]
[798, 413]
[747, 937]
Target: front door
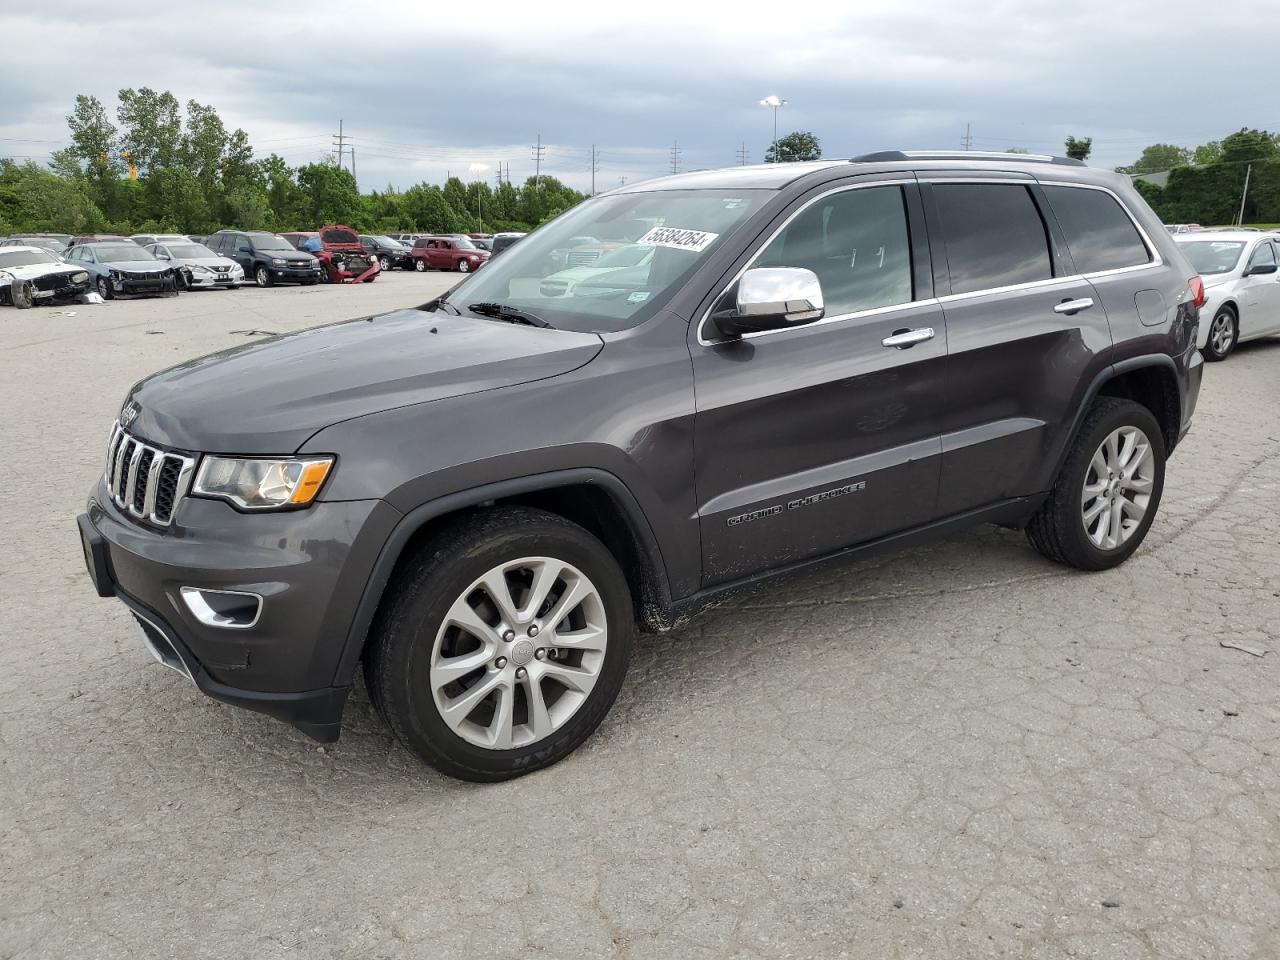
[1260, 293]
[818, 437]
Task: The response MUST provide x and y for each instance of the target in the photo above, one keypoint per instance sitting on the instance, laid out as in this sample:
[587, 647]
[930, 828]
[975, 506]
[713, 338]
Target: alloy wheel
[518, 653]
[1222, 333]
[384, 263]
[262, 277]
[463, 266]
[1117, 487]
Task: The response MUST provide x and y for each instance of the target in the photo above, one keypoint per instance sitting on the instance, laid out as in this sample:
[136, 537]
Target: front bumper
[67, 291]
[309, 566]
[290, 275]
[211, 281]
[141, 288]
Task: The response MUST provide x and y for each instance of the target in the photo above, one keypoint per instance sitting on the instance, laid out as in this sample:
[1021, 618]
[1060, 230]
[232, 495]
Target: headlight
[202, 271]
[80, 277]
[114, 274]
[278, 261]
[262, 484]
[314, 263]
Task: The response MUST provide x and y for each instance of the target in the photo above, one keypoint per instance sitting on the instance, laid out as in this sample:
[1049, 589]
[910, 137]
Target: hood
[135, 266]
[293, 256]
[210, 262]
[35, 270]
[268, 397]
[1217, 279]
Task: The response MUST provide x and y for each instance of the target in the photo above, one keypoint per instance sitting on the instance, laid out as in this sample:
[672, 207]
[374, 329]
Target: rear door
[821, 436]
[1025, 334]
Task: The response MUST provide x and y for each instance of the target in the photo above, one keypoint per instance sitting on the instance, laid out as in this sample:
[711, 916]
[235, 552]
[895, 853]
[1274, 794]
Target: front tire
[1108, 491]
[464, 266]
[262, 276]
[420, 266]
[501, 644]
[384, 263]
[103, 286]
[1224, 332]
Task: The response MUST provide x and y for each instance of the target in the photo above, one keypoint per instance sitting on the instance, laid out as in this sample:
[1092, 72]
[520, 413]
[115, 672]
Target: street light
[774, 101]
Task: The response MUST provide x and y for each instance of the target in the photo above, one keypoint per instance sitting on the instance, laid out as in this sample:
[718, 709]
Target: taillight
[1197, 290]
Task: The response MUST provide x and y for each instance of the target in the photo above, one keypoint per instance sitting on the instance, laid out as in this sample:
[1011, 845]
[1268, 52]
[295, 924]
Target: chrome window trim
[843, 188]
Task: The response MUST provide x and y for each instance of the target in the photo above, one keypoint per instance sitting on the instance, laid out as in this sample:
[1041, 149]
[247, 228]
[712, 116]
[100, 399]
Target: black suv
[479, 498]
[390, 253]
[265, 257]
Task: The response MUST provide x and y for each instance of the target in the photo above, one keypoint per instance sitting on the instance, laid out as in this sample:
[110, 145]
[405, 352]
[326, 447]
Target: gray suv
[480, 499]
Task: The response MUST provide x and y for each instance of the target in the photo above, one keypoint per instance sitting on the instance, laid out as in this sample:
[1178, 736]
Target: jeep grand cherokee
[479, 499]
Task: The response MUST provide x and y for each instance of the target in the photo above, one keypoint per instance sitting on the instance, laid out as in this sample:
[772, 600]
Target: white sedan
[198, 266]
[1241, 284]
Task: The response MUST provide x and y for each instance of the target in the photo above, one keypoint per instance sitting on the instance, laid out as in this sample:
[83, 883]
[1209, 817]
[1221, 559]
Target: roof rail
[885, 155]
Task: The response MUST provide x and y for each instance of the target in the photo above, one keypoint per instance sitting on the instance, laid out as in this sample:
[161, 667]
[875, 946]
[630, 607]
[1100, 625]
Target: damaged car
[124, 269]
[343, 259]
[198, 267]
[31, 275]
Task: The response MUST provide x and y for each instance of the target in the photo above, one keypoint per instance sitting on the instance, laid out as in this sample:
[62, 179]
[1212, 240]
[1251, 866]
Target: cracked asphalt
[961, 751]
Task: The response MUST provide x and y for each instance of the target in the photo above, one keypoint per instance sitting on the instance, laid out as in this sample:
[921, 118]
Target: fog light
[230, 609]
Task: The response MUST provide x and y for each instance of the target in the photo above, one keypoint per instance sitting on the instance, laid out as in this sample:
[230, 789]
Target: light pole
[774, 102]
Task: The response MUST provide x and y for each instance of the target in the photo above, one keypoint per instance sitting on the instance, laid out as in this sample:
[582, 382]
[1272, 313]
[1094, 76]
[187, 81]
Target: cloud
[422, 92]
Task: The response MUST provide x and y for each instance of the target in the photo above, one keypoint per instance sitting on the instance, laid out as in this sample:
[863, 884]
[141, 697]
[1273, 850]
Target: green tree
[1246, 145]
[1210, 152]
[800, 145]
[151, 128]
[1017, 150]
[285, 198]
[427, 209]
[330, 194]
[455, 194]
[1159, 157]
[1079, 148]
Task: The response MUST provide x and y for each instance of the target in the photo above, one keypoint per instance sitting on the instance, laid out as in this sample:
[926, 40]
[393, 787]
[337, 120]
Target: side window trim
[916, 234]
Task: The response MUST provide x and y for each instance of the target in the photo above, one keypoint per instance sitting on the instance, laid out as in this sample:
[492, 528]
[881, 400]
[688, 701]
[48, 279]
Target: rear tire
[1101, 506]
[1224, 333]
[421, 627]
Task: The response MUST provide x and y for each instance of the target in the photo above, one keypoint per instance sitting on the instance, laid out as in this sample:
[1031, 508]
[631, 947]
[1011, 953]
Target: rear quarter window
[994, 235]
[1098, 231]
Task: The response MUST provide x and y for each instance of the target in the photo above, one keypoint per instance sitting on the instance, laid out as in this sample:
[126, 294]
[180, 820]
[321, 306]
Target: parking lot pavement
[963, 751]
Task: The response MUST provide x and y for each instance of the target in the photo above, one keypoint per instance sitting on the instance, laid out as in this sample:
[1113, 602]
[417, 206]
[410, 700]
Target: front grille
[582, 258]
[144, 480]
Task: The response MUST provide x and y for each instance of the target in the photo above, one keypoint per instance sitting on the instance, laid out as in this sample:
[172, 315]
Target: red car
[343, 259]
[447, 253]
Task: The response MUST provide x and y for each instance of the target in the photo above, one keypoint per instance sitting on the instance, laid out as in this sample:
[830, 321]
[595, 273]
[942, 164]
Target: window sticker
[692, 240]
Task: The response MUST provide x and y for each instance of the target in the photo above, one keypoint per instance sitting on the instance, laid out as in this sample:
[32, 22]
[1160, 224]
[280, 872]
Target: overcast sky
[426, 88]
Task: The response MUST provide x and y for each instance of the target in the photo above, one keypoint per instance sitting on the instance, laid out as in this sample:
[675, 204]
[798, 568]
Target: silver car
[198, 266]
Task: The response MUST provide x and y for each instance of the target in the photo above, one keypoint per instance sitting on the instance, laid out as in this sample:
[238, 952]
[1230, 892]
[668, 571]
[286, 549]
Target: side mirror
[1260, 269]
[772, 298]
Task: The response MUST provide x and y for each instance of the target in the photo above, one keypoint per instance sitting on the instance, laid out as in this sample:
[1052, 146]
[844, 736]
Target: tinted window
[994, 235]
[1262, 256]
[856, 242]
[1099, 233]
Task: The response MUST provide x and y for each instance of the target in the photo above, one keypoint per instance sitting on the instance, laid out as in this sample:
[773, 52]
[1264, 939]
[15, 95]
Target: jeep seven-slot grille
[144, 480]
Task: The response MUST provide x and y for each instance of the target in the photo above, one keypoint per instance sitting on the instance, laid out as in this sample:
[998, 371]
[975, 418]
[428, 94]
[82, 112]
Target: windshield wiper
[501, 311]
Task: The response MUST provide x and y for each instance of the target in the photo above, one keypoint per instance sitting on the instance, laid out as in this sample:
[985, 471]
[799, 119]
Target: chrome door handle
[908, 338]
[1073, 306]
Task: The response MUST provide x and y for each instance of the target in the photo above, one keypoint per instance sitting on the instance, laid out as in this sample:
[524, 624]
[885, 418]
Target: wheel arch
[1153, 382]
[594, 499]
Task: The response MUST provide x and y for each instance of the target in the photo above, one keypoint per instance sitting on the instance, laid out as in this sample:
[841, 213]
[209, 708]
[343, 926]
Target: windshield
[262, 241]
[658, 238]
[1213, 256]
[121, 252]
[24, 258]
[190, 251]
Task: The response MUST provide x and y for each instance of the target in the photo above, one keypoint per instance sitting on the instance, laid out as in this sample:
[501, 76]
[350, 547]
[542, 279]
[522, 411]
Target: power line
[339, 143]
[538, 151]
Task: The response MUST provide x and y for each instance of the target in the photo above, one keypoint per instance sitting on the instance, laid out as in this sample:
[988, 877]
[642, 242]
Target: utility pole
[1247, 170]
[538, 150]
[339, 144]
[595, 168]
[675, 156]
[353, 163]
[967, 142]
[743, 155]
[622, 181]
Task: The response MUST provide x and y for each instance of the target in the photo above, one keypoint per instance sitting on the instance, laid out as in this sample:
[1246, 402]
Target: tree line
[158, 168]
[1206, 184]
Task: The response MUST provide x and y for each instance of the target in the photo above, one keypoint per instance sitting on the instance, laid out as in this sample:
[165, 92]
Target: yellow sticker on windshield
[693, 240]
